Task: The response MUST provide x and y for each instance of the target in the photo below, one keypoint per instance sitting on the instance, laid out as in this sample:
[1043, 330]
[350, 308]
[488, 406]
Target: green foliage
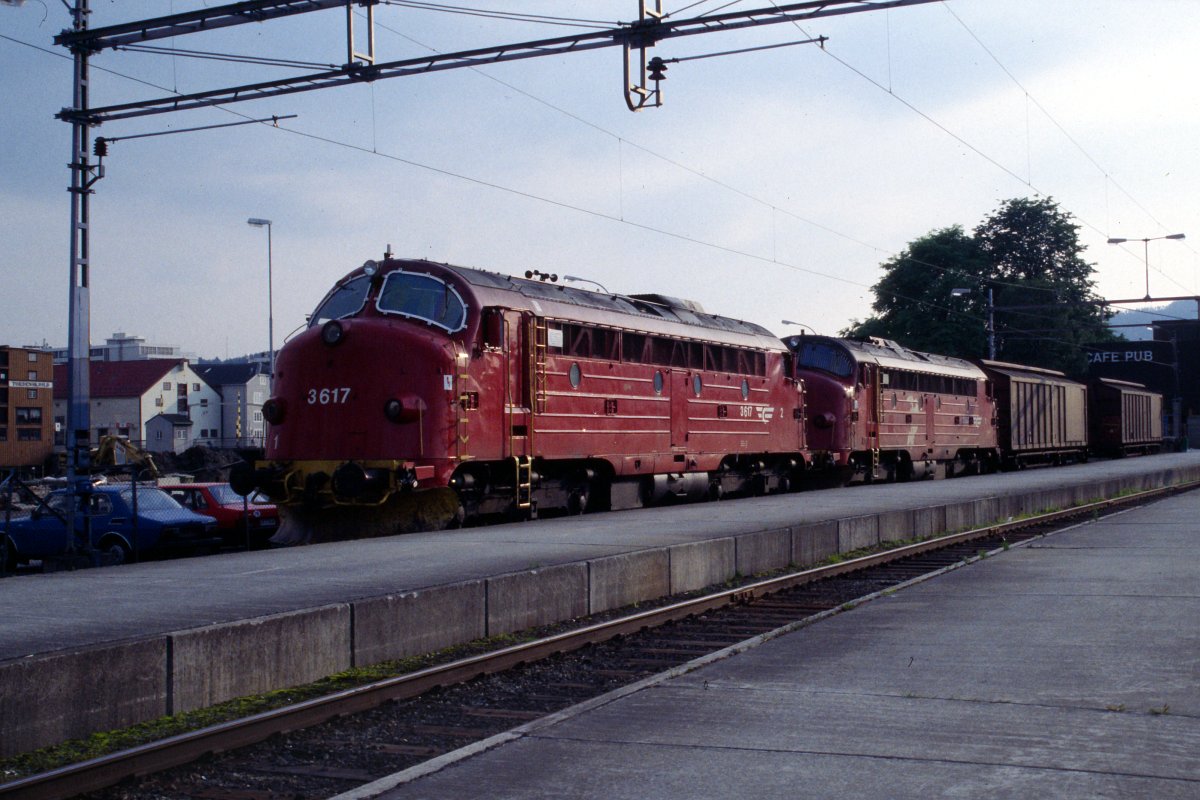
[1028, 254]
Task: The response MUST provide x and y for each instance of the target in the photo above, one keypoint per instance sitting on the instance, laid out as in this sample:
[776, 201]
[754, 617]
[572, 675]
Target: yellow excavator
[118, 451]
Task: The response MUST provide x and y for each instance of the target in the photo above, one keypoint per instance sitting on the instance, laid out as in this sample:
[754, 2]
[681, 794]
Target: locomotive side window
[932, 384]
[425, 298]
[344, 301]
[587, 341]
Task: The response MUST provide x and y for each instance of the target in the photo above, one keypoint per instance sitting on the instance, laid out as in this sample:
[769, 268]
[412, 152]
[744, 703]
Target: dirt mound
[204, 464]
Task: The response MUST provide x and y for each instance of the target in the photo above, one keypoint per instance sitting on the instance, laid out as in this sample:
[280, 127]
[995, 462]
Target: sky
[769, 186]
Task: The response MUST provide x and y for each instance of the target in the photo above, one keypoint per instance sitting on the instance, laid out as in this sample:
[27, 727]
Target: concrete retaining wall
[48, 699]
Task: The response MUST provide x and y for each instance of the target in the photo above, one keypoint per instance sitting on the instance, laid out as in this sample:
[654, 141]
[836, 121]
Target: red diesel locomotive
[458, 392]
[881, 411]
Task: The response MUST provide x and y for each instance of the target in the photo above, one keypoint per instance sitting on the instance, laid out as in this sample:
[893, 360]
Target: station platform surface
[65, 610]
[1066, 668]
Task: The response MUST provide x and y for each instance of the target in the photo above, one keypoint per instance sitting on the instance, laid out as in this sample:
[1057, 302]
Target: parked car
[236, 516]
[160, 526]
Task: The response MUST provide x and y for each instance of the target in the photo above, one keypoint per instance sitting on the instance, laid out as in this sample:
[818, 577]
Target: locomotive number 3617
[329, 396]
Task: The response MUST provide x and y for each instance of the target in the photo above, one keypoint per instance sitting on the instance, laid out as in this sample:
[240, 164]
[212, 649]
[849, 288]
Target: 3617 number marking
[327, 397]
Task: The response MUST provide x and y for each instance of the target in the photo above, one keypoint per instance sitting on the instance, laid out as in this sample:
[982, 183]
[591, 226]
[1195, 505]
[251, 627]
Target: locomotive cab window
[424, 298]
[825, 357]
[344, 301]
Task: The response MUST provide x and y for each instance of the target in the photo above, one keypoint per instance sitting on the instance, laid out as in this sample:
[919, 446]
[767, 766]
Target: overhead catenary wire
[973, 148]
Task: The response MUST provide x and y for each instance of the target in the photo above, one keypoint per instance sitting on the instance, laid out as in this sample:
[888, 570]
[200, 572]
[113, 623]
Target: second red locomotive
[882, 411]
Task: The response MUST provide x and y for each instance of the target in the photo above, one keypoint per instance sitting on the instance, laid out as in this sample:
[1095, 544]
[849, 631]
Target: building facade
[1170, 364]
[126, 395]
[122, 346]
[243, 387]
[26, 407]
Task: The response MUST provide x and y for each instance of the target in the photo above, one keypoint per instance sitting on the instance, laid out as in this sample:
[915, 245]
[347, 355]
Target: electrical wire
[1030, 98]
[511, 16]
[829, 52]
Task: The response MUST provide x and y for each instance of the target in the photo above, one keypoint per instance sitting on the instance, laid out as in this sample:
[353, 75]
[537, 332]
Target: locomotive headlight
[333, 333]
[273, 411]
[393, 409]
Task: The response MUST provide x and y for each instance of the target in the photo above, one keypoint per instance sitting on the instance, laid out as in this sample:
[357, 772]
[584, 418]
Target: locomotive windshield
[825, 357]
[344, 301]
[425, 298]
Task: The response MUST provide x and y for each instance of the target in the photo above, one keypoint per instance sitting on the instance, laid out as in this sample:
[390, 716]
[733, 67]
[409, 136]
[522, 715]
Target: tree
[1028, 254]
[914, 302]
[1047, 309]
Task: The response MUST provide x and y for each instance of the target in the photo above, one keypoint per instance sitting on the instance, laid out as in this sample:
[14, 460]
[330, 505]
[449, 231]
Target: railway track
[332, 744]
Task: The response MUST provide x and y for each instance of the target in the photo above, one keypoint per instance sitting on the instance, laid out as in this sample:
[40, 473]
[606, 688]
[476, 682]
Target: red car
[242, 522]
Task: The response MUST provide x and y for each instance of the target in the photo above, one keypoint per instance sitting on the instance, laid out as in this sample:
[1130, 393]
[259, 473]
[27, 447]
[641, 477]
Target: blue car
[160, 526]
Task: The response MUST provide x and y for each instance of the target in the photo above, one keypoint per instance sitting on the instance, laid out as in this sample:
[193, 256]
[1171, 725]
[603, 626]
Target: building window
[204, 402]
[29, 434]
[195, 387]
[29, 415]
[32, 357]
[166, 386]
[32, 374]
[31, 394]
[258, 416]
[158, 436]
[181, 433]
[3, 434]
[158, 402]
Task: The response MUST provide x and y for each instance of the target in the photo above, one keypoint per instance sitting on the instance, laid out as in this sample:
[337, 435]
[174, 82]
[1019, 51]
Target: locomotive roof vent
[670, 302]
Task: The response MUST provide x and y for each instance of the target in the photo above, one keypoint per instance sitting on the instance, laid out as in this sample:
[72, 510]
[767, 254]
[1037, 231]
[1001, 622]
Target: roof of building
[176, 420]
[226, 374]
[117, 378]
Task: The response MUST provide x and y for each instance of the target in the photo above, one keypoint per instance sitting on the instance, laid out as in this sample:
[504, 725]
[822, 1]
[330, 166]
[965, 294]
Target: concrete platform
[1069, 668]
[178, 635]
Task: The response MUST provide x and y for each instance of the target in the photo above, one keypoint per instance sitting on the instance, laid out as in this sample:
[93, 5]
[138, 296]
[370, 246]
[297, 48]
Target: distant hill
[1180, 309]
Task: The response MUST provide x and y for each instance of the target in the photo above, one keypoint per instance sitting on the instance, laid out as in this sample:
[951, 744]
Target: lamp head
[258, 223]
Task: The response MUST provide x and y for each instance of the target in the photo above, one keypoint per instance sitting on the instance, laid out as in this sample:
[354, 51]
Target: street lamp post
[266, 223]
[1146, 251]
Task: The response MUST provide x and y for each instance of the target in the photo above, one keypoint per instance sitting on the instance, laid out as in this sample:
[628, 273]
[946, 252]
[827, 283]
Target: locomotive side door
[517, 418]
[679, 386]
[872, 402]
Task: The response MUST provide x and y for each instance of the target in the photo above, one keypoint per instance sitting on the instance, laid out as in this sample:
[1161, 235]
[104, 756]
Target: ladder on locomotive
[463, 403]
[523, 484]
